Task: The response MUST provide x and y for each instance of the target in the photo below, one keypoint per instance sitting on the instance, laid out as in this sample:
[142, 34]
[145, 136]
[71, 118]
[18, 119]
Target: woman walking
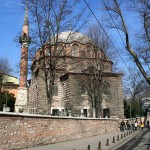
[142, 126]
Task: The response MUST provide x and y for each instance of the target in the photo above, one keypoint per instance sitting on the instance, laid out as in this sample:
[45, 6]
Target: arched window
[47, 52]
[82, 89]
[106, 88]
[55, 90]
[75, 50]
[60, 50]
[89, 51]
[83, 53]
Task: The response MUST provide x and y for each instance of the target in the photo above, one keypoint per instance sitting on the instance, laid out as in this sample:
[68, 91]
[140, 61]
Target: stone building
[78, 62]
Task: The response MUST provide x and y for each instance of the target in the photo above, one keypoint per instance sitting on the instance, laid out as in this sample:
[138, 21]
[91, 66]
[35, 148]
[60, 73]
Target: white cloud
[10, 6]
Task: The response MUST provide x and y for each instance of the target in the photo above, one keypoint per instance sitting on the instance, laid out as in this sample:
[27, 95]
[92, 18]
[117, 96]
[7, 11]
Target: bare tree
[96, 86]
[49, 19]
[5, 66]
[4, 69]
[142, 7]
[93, 79]
[100, 39]
[116, 13]
[134, 87]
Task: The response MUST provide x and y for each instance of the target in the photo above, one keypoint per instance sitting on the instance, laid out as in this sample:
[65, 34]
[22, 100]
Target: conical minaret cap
[26, 19]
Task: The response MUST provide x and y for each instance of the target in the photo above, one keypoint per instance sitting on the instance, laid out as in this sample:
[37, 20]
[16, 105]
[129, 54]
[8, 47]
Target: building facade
[82, 72]
[10, 84]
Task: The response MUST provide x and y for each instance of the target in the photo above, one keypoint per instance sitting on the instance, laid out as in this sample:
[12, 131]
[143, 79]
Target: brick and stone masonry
[26, 130]
[22, 97]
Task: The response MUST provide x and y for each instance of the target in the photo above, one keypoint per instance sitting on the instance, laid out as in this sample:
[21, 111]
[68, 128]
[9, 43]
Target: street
[139, 142]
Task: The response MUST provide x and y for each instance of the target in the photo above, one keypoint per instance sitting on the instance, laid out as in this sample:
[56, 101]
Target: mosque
[80, 63]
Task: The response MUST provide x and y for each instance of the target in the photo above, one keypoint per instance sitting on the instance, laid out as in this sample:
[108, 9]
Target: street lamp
[6, 100]
[130, 108]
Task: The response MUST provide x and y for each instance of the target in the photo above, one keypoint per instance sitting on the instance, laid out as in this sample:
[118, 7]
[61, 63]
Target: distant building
[145, 103]
[10, 84]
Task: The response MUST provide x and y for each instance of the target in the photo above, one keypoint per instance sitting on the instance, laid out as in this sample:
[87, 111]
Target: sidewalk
[82, 144]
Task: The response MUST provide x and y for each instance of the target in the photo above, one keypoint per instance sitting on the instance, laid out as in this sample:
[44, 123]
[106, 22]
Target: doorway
[106, 113]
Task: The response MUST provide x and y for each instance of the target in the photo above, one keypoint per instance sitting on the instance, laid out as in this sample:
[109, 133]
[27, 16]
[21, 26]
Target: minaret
[21, 101]
[25, 41]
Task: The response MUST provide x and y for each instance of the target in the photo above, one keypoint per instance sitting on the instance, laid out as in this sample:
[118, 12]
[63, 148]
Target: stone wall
[23, 130]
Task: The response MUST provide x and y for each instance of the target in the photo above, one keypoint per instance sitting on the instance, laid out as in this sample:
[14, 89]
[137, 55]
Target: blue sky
[11, 20]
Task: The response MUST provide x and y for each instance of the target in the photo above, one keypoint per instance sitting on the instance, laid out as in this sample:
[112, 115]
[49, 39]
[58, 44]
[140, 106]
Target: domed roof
[69, 36]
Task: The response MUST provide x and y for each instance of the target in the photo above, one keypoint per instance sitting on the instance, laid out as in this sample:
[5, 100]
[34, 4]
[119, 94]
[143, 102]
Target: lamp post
[6, 100]
[130, 108]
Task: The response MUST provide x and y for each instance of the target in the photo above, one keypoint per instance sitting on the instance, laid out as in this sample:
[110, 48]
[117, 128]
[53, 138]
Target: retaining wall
[26, 130]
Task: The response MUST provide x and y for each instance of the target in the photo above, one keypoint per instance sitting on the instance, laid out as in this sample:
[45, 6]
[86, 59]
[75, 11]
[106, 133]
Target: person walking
[142, 126]
[135, 125]
[122, 125]
[132, 125]
[128, 125]
[148, 124]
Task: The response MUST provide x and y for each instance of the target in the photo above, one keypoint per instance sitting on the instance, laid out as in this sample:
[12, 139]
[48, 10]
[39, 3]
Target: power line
[106, 34]
[116, 27]
[118, 30]
[114, 23]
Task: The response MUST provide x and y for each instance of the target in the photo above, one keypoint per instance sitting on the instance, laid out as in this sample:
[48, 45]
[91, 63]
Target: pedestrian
[135, 125]
[128, 125]
[148, 124]
[122, 126]
[142, 126]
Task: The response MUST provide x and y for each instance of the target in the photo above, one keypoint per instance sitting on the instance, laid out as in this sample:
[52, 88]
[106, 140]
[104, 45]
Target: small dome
[69, 36]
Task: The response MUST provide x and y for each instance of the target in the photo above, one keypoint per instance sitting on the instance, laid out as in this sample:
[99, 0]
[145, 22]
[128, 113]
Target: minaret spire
[25, 28]
[26, 18]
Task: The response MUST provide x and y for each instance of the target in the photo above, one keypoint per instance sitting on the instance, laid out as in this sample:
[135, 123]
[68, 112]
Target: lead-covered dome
[70, 36]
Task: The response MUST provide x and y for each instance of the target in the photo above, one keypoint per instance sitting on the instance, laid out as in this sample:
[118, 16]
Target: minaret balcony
[25, 39]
